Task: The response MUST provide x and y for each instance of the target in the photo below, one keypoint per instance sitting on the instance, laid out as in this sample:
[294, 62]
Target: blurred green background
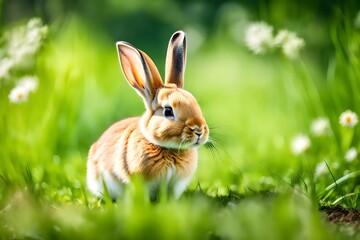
[255, 105]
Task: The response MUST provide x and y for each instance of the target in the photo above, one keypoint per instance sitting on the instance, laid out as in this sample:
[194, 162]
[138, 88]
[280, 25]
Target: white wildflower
[30, 83]
[291, 48]
[18, 95]
[259, 37]
[24, 41]
[290, 43]
[321, 169]
[300, 144]
[20, 54]
[351, 154]
[320, 126]
[348, 119]
[35, 31]
[5, 66]
[282, 37]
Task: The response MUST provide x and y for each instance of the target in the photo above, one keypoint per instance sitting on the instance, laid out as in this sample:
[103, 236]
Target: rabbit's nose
[198, 134]
[198, 131]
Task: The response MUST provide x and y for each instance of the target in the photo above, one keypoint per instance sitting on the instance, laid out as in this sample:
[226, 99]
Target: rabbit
[162, 144]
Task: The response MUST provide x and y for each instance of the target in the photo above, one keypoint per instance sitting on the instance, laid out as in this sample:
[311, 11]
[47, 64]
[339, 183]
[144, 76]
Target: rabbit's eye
[168, 112]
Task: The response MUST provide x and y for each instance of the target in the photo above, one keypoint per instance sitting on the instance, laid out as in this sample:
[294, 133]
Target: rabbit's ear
[176, 59]
[139, 70]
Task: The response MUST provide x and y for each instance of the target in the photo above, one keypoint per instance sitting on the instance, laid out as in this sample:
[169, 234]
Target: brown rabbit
[162, 144]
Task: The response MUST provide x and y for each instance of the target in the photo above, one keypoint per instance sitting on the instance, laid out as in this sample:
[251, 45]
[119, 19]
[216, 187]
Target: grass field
[262, 181]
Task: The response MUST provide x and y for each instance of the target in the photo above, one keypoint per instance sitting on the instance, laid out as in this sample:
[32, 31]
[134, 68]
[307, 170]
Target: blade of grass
[347, 203]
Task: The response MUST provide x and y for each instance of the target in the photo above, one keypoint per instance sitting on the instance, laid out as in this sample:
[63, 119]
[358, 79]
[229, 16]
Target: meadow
[278, 84]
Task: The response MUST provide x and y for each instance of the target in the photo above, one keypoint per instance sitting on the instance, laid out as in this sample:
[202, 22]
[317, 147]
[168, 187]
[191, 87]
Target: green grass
[249, 187]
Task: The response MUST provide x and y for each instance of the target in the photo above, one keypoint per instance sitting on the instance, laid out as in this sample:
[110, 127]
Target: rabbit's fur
[161, 145]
